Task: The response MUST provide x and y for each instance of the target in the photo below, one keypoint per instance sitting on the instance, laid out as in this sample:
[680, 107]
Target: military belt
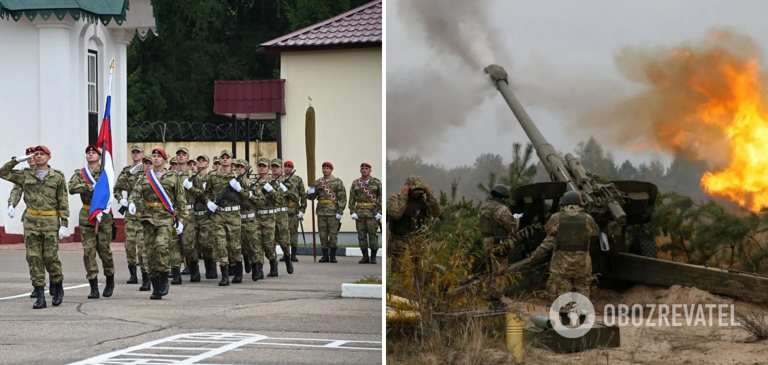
[191, 206]
[271, 211]
[325, 201]
[228, 209]
[154, 204]
[88, 207]
[200, 213]
[364, 204]
[246, 216]
[41, 212]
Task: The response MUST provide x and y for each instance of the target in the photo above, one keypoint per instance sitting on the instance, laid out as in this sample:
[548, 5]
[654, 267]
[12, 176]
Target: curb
[370, 291]
[341, 251]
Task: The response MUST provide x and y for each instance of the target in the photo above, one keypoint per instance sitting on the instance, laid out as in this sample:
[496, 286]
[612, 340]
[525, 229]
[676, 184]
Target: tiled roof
[359, 26]
[249, 97]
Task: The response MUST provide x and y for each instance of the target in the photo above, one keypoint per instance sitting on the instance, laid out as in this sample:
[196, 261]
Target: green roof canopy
[92, 10]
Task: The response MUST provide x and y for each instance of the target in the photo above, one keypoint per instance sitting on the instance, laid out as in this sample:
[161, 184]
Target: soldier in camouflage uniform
[204, 229]
[45, 194]
[133, 231]
[156, 219]
[296, 210]
[281, 216]
[265, 217]
[226, 216]
[365, 209]
[331, 200]
[407, 214]
[497, 224]
[82, 182]
[190, 243]
[251, 241]
[216, 163]
[174, 164]
[568, 236]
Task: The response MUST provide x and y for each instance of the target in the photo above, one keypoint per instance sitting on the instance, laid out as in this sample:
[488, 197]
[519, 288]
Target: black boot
[176, 276]
[208, 268]
[194, 273]
[365, 259]
[51, 286]
[325, 255]
[293, 253]
[282, 259]
[34, 293]
[231, 271]
[214, 271]
[133, 279]
[94, 289]
[257, 272]
[333, 255]
[156, 283]
[288, 265]
[58, 294]
[40, 303]
[273, 268]
[373, 255]
[170, 274]
[163, 284]
[238, 277]
[145, 283]
[185, 271]
[246, 264]
[224, 276]
[110, 287]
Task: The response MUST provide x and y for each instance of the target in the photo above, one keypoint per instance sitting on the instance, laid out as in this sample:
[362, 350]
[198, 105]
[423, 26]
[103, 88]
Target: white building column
[56, 81]
[122, 38]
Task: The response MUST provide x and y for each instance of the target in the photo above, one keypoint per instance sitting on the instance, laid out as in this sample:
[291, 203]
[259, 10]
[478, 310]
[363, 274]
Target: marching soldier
[204, 228]
[82, 183]
[226, 217]
[266, 217]
[407, 213]
[174, 164]
[365, 209]
[45, 194]
[133, 231]
[296, 210]
[251, 241]
[331, 201]
[162, 196]
[497, 223]
[190, 243]
[281, 217]
[216, 163]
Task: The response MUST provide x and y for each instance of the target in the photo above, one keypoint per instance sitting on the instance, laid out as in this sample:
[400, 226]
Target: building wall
[346, 90]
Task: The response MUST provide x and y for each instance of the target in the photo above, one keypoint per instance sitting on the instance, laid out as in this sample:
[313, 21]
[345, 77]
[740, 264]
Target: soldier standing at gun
[497, 224]
[331, 201]
[190, 243]
[82, 183]
[281, 214]
[296, 209]
[265, 217]
[225, 207]
[568, 237]
[365, 209]
[45, 194]
[204, 228]
[161, 193]
[133, 232]
[407, 213]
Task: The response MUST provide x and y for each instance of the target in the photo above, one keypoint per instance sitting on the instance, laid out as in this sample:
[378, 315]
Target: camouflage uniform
[135, 252]
[368, 210]
[266, 219]
[15, 197]
[252, 245]
[93, 242]
[157, 223]
[329, 210]
[281, 216]
[407, 218]
[205, 230]
[496, 225]
[47, 210]
[226, 219]
[191, 255]
[568, 234]
[294, 208]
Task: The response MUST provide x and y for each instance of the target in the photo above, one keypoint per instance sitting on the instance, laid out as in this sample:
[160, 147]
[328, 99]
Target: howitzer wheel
[644, 245]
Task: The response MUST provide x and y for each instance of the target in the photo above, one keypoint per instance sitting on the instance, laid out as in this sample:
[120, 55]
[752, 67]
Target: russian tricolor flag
[102, 191]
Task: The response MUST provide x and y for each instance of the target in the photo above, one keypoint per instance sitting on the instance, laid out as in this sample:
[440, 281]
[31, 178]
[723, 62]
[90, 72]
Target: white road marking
[46, 291]
[228, 341]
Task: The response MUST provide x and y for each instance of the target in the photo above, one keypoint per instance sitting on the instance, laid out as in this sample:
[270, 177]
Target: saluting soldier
[296, 210]
[331, 201]
[45, 194]
[162, 197]
[365, 209]
[134, 238]
[82, 182]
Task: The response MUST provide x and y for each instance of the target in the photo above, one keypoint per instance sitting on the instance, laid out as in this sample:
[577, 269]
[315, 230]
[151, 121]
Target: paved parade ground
[291, 319]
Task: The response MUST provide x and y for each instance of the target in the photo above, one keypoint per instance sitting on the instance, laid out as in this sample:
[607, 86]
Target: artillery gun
[615, 206]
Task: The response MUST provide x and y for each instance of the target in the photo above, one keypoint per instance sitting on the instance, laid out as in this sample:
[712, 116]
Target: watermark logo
[580, 306]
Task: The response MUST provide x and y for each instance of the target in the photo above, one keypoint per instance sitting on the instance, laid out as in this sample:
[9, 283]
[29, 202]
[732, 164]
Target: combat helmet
[500, 191]
[572, 198]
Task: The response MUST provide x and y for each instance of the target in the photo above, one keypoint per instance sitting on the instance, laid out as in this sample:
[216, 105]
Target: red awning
[255, 99]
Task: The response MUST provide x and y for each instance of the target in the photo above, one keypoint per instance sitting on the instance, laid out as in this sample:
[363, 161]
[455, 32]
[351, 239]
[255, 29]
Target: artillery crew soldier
[45, 194]
[407, 213]
[568, 237]
[497, 224]
[332, 199]
[134, 236]
[162, 197]
[296, 210]
[365, 209]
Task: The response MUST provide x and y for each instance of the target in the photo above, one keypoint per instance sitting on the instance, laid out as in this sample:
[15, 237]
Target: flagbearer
[82, 182]
[165, 206]
[365, 209]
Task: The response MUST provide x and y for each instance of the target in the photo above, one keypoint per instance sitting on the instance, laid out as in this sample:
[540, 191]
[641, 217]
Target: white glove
[235, 185]
[124, 202]
[180, 228]
[268, 187]
[132, 209]
[250, 194]
[378, 216]
[98, 217]
[300, 215]
[354, 216]
[311, 191]
[62, 231]
[212, 207]
[24, 158]
[517, 216]
[338, 216]
[204, 184]
[283, 188]
[11, 212]
[187, 184]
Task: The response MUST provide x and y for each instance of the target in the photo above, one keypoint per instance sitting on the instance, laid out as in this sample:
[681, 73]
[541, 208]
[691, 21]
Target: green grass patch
[372, 279]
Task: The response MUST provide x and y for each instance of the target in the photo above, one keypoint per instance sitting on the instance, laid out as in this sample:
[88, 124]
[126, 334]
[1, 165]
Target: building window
[93, 97]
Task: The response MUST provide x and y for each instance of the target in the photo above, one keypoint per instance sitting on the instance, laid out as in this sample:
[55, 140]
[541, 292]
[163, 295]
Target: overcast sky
[546, 44]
